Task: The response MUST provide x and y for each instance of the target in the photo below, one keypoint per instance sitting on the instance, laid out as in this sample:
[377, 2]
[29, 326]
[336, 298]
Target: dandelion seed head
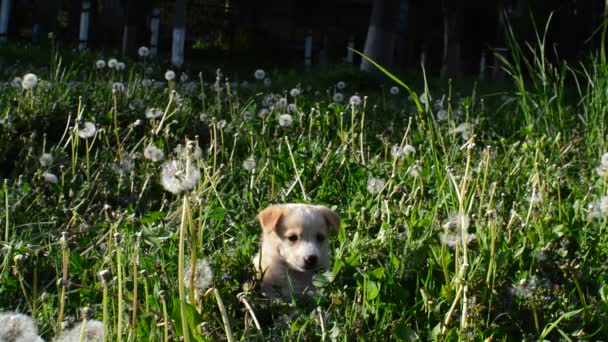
[292, 107]
[170, 75]
[176, 178]
[525, 288]
[456, 231]
[46, 159]
[408, 150]
[50, 178]
[263, 113]
[247, 115]
[259, 74]
[203, 275]
[396, 151]
[295, 92]
[93, 332]
[86, 130]
[221, 124]
[355, 100]
[394, 90]
[18, 328]
[143, 51]
[267, 82]
[29, 81]
[146, 83]
[112, 63]
[249, 164]
[183, 77]
[604, 159]
[463, 127]
[105, 276]
[191, 151]
[154, 113]
[415, 170]
[118, 87]
[282, 103]
[442, 115]
[100, 64]
[154, 153]
[124, 166]
[375, 185]
[121, 66]
[338, 98]
[16, 82]
[285, 120]
[425, 98]
[341, 85]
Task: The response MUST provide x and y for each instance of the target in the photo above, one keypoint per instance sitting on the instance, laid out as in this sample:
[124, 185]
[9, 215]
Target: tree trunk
[380, 41]
[5, 14]
[452, 29]
[135, 12]
[179, 34]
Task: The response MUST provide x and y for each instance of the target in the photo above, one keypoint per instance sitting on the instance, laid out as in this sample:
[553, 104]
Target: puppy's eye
[293, 238]
[320, 237]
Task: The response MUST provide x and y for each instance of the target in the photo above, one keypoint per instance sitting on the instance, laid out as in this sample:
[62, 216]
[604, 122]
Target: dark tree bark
[452, 35]
[380, 41]
[136, 11]
[46, 18]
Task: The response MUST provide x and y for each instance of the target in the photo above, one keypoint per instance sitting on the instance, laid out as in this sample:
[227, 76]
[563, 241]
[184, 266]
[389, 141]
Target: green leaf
[377, 273]
[372, 290]
[547, 330]
[394, 78]
[405, 333]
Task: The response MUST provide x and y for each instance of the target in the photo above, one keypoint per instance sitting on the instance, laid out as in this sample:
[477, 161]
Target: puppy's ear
[269, 217]
[333, 220]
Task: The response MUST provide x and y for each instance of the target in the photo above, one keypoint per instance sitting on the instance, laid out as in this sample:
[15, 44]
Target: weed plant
[130, 198]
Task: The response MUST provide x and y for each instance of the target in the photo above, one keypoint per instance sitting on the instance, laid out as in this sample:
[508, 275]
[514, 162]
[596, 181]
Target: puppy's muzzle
[310, 261]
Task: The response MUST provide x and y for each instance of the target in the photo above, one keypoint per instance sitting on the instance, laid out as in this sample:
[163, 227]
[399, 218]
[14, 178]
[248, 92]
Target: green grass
[485, 231]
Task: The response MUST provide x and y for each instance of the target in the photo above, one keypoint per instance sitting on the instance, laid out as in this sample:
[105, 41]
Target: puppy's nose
[311, 261]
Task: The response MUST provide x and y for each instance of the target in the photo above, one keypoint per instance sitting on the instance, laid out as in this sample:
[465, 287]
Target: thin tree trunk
[452, 28]
[179, 34]
[5, 14]
[380, 41]
[134, 9]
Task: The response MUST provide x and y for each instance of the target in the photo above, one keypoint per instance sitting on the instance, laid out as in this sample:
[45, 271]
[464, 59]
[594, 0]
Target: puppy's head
[300, 234]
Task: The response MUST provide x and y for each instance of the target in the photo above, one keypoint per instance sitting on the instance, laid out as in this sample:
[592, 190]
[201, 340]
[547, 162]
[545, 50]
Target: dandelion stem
[295, 167]
[115, 114]
[120, 301]
[361, 138]
[65, 251]
[6, 211]
[180, 270]
[104, 305]
[165, 320]
[225, 319]
[134, 310]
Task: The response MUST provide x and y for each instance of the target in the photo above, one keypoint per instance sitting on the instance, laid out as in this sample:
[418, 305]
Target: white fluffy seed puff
[176, 177]
[18, 327]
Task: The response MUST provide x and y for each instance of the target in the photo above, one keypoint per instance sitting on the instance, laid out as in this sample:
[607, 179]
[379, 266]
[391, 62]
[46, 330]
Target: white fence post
[308, 48]
[154, 29]
[5, 12]
[482, 66]
[349, 53]
[84, 25]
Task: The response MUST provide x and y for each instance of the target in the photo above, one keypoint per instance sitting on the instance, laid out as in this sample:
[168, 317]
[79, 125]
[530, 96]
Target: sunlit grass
[464, 215]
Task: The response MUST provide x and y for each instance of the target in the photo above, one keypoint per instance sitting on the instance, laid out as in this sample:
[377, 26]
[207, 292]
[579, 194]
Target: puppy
[294, 246]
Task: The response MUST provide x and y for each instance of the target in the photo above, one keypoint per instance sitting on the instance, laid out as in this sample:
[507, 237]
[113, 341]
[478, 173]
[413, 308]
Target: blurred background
[450, 37]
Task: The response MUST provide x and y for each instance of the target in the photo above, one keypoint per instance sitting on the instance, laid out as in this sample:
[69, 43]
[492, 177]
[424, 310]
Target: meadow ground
[467, 213]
